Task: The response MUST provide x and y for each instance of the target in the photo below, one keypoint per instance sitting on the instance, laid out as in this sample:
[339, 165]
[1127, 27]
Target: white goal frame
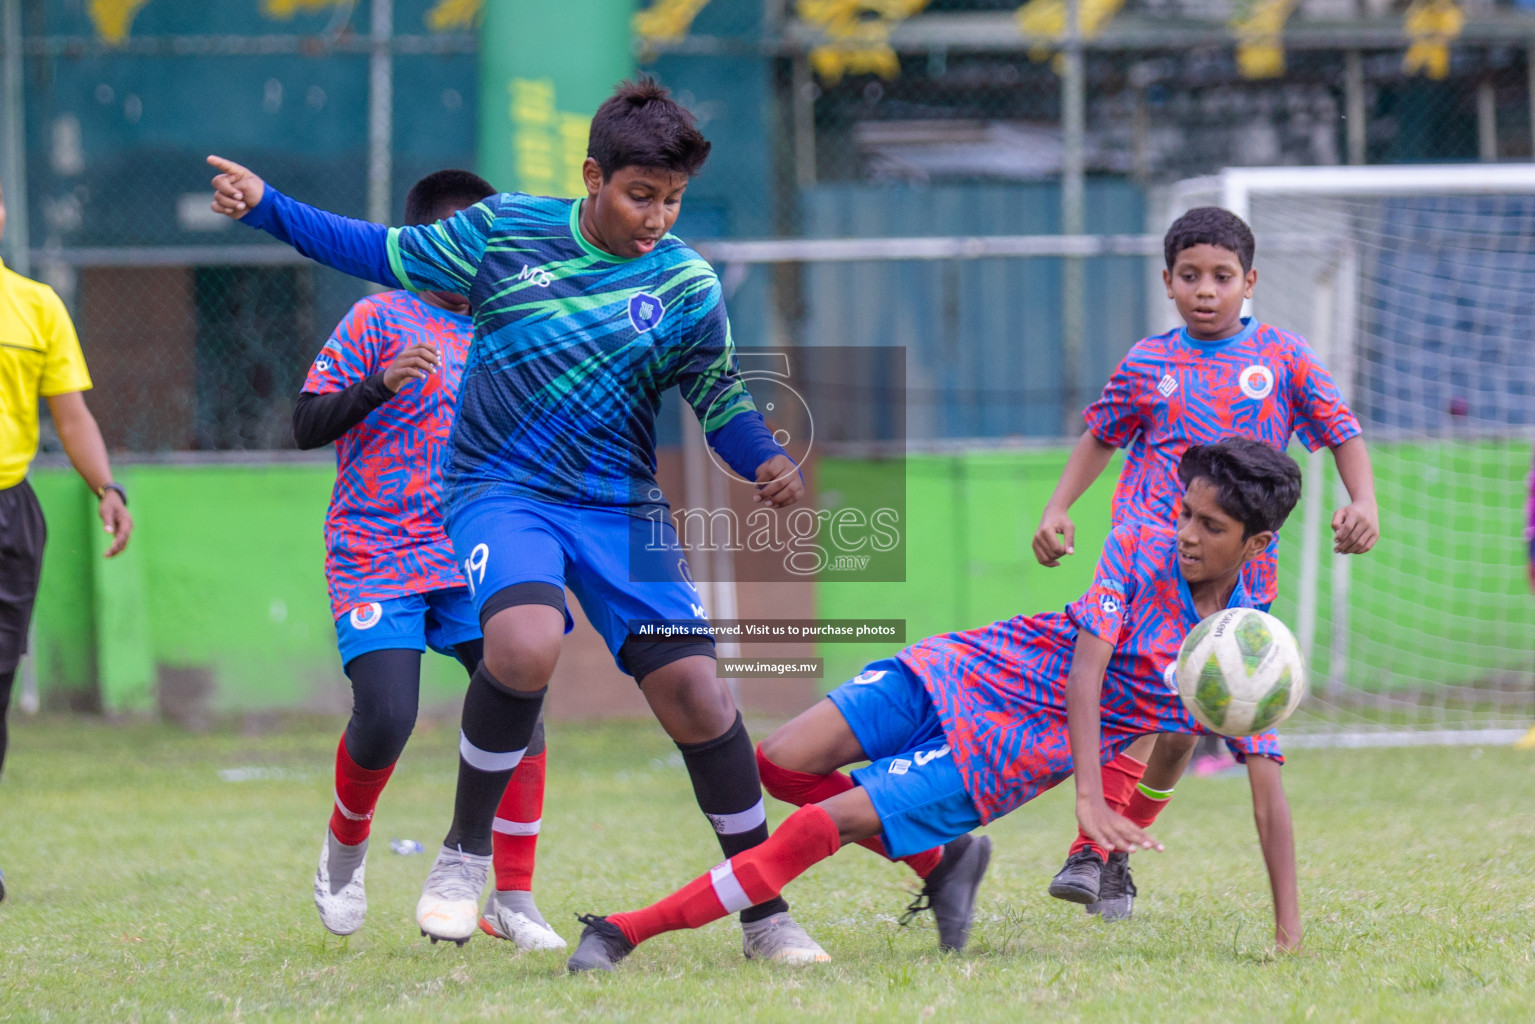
[1235, 188]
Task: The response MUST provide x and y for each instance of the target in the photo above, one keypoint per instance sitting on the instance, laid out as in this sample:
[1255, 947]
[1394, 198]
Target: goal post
[1416, 285]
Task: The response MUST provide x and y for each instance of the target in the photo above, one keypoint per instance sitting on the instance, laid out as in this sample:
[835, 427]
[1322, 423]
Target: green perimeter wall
[221, 593]
[224, 582]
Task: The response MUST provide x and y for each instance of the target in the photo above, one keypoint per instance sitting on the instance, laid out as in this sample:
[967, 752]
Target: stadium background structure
[973, 136]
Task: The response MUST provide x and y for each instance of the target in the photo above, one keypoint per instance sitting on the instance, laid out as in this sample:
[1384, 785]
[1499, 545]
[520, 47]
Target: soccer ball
[1240, 672]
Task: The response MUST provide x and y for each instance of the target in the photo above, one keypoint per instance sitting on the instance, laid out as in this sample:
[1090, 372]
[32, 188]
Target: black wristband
[111, 486]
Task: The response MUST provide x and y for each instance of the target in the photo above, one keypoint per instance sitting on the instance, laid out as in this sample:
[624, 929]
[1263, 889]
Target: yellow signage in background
[858, 35]
[1044, 21]
[548, 144]
[666, 21]
[1432, 25]
[113, 18]
[287, 10]
[1259, 28]
[453, 16]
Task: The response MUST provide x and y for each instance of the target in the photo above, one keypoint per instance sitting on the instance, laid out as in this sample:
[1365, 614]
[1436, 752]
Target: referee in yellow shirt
[40, 356]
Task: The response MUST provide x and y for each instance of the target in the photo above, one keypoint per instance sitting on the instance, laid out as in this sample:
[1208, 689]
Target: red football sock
[1119, 779]
[1143, 809]
[755, 876]
[514, 833]
[803, 788]
[357, 792]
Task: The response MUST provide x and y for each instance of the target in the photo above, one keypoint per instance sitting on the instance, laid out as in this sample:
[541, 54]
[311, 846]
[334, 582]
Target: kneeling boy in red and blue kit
[964, 728]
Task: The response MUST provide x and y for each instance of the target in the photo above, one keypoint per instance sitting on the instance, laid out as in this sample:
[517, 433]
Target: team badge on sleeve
[645, 311]
[1256, 381]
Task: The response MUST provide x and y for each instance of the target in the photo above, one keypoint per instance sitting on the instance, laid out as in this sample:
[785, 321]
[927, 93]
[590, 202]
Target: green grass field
[145, 886]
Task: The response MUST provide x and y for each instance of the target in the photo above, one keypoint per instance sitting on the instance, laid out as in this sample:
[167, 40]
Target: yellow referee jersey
[39, 357]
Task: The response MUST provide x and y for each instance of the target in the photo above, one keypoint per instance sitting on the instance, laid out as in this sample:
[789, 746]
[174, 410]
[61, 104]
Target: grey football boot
[1116, 896]
[1079, 879]
[950, 890]
[601, 947]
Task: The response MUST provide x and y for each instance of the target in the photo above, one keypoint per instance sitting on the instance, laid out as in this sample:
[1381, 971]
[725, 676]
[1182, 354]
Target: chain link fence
[830, 118]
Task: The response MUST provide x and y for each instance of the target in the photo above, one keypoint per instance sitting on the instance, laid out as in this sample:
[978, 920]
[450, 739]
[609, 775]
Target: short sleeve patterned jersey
[1172, 391]
[1000, 691]
[383, 533]
[573, 349]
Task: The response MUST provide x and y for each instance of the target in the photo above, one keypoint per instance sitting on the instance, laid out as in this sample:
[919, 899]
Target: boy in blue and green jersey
[585, 311]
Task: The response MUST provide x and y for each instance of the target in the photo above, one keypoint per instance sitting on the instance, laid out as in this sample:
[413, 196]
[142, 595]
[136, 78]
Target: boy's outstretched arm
[1356, 526]
[1057, 534]
[354, 247]
[1276, 835]
[1084, 691]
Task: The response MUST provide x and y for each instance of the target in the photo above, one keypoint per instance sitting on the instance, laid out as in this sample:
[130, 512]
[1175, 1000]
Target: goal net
[1417, 286]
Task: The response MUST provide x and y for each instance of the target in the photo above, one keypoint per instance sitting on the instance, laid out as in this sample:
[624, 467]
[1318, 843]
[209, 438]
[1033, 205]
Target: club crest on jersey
[323, 364]
[366, 616]
[871, 676]
[1256, 381]
[1109, 603]
[645, 311]
[1167, 385]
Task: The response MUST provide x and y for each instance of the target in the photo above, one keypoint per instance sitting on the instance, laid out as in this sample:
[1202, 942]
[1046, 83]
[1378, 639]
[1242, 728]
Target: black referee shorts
[22, 534]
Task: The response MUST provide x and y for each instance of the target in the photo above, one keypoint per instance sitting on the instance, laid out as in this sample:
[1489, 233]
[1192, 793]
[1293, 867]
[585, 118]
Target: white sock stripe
[347, 812]
[734, 824]
[729, 892]
[488, 760]
[507, 827]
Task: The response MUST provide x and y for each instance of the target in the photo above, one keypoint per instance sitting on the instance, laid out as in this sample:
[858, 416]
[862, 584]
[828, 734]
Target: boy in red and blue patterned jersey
[384, 388]
[1219, 375]
[962, 729]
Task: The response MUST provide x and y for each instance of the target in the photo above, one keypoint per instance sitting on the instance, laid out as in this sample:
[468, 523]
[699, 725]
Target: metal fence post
[13, 143]
[1073, 215]
[1353, 106]
[380, 110]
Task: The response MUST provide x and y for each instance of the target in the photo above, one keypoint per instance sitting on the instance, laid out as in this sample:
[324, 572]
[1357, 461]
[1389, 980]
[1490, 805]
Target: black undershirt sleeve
[320, 419]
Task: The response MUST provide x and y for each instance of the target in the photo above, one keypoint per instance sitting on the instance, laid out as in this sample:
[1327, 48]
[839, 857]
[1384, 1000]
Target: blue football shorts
[625, 570]
[911, 779]
[438, 619]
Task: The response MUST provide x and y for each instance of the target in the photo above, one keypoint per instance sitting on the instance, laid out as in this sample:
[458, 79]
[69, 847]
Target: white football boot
[512, 915]
[338, 885]
[780, 939]
[450, 900]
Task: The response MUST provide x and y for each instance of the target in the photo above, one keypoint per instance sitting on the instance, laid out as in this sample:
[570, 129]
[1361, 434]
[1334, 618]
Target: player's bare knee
[692, 705]
[817, 741]
[522, 645]
[786, 749]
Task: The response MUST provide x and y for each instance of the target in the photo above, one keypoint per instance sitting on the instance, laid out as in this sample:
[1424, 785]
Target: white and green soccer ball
[1240, 672]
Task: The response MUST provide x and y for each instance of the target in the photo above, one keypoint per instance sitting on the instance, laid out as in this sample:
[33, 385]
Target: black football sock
[724, 774]
[496, 728]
